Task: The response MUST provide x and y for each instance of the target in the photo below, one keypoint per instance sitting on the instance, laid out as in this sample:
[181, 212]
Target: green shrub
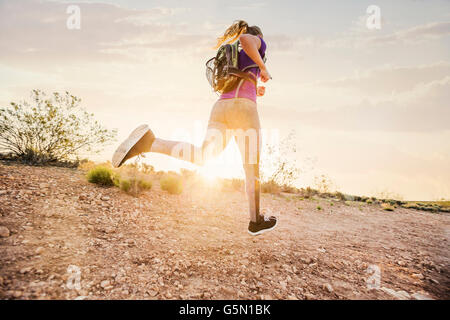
[145, 184]
[134, 186]
[125, 185]
[171, 183]
[101, 175]
[387, 207]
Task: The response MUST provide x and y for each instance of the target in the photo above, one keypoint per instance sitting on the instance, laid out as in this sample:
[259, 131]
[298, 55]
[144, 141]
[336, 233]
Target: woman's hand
[265, 75]
[260, 90]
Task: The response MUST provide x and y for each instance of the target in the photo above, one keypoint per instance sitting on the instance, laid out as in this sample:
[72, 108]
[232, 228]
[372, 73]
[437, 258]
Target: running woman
[234, 115]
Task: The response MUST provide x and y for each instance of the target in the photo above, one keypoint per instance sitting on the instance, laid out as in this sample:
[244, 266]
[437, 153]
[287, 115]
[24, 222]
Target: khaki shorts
[236, 113]
[237, 118]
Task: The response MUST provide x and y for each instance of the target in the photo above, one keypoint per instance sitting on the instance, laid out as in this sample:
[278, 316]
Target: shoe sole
[263, 230]
[129, 143]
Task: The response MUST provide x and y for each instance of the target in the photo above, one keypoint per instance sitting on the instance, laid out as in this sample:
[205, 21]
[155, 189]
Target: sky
[369, 108]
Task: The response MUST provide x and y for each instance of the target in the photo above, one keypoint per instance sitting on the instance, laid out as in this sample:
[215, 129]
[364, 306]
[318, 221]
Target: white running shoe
[139, 141]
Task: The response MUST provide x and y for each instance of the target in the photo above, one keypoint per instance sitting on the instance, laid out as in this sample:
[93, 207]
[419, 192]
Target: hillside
[196, 246]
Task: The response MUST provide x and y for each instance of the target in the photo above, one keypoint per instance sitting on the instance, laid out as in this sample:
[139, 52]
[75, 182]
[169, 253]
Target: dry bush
[323, 183]
[172, 183]
[270, 187]
[279, 167]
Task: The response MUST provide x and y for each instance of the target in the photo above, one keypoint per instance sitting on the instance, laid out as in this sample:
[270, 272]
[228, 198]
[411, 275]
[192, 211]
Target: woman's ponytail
[238, 28]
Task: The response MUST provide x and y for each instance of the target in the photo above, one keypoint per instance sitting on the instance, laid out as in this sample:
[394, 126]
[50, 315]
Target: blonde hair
[238, 28]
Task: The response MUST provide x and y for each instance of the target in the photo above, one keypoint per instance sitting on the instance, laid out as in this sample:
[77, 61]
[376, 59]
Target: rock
[292, 297]
[39, 250]
[306, 260]
[401, 263]
[109, 230]
[17, 294]
[420, 296]
[434, 281]
[310, 296]
[4, 232]
[227, 291]
[105, 198]
[104, 284]
[328, 287]
[400, 295]
[206, 295]
[152, 293]
[44, 185]
[418, 276]
[25, 270]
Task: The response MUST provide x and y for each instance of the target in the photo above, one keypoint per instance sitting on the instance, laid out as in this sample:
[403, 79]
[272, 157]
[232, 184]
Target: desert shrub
[270, 187]
[134, 186]
[323, 183]
[187, 174]
[289, 189]
[387, 207]
[386, 194]
[101, 175]
[308, 192]
[237, 184]
[144, 184]
[132, 181]
[147, 169]
[50, 129]
[86, 165]
[171, 183]
[339, 195]
[279, 162]
[124, 185]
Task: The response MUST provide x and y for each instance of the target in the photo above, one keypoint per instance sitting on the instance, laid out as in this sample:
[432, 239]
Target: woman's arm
[251, 44]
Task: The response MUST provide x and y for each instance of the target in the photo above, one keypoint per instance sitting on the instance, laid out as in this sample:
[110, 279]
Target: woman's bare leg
[214, 143]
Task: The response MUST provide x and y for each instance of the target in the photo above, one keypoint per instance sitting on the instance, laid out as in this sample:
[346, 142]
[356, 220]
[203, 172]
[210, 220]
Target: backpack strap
[239, 87]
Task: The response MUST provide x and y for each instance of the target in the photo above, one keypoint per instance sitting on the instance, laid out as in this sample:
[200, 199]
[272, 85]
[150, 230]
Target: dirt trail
[196, 245]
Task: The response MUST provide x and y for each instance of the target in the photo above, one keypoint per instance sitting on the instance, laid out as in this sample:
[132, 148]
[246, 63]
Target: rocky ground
[63, 238]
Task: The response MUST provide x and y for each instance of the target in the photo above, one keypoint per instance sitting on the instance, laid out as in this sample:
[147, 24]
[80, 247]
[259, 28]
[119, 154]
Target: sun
[208, 173]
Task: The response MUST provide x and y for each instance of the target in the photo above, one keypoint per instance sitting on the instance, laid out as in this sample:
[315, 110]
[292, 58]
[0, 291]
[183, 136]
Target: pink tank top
[246, 89]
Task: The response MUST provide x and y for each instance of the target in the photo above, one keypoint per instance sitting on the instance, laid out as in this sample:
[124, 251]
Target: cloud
[392, 79]
[34, 33]
[287, 43]
[423, 109]
[417, 34]
[359, 37]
